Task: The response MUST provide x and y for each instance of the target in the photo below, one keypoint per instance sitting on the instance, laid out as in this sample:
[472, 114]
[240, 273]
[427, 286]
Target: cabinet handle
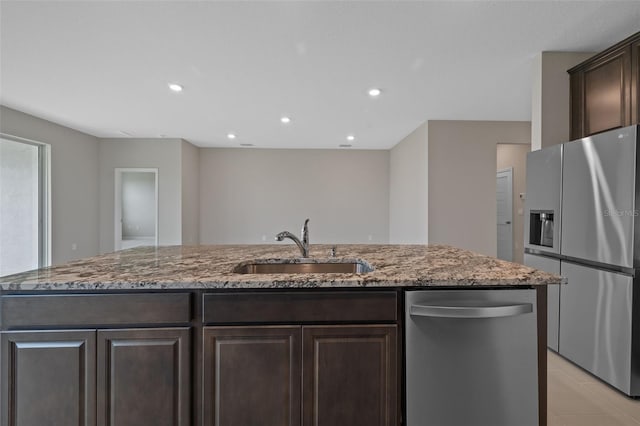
[457, 311]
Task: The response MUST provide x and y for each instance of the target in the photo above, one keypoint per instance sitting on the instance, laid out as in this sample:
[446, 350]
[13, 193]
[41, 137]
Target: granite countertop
[198, 267]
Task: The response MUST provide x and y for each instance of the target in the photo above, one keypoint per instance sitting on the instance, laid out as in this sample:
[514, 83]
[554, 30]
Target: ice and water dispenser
[541, 227]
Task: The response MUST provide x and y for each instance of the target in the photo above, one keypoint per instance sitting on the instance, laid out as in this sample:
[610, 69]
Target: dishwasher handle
[452, 310]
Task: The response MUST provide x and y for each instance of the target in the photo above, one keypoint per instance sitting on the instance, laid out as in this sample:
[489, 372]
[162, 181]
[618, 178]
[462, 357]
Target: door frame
[117, 213]
[509, 173]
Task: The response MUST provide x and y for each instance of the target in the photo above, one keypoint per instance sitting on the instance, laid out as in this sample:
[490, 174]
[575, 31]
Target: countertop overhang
[210, 267]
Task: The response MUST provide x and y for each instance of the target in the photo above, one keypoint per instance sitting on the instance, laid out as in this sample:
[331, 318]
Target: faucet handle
[304, 234]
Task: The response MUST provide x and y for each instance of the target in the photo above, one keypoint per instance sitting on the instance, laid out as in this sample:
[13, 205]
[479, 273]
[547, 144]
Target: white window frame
[44, 196]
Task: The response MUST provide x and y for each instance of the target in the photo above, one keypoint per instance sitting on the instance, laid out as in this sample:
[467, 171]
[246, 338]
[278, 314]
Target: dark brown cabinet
[349, 375]
[301, 358]
[248, 358]
[252, 376]
[48, 378]
[108, 373]
[117, 377]
[143, 377]
[604, 90]
[635, 81]
[341, 375]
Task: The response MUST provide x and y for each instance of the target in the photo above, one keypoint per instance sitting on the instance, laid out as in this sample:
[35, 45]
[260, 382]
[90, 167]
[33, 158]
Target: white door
[136, 208]
[504, 210]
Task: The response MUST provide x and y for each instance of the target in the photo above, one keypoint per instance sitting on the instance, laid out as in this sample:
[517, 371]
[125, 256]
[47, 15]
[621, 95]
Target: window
[24, 205]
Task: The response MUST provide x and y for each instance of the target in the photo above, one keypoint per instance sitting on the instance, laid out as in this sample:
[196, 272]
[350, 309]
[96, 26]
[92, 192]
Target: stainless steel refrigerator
[599, 254]
[543, 202]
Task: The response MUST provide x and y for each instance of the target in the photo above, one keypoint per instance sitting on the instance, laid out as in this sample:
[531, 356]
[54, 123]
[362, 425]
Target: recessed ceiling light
[246, 144]
[351, 138]
[231, 136]
[374, 92]
[175, 87]
[345, 145]
[285, 120]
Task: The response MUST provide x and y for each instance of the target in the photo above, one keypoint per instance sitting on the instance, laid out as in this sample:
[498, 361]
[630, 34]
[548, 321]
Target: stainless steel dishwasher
[471, 358]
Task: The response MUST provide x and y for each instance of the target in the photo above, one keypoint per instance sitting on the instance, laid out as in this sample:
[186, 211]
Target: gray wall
[408, 189]
[190, 194]
[515, 156]
[249, 195]
[462, 180]
[74, 182]
[550, 97]
[163, 154]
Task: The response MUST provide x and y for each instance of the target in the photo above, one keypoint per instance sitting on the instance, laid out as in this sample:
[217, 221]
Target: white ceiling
[102, 67]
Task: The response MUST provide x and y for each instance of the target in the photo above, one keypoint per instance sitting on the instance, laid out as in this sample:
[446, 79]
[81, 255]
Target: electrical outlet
[74, 246]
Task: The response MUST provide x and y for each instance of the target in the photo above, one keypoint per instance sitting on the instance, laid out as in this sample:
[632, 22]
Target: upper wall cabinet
[635, 80]
[604, 90]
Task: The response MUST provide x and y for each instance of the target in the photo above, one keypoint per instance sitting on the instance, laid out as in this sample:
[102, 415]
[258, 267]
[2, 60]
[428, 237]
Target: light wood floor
[576, 398]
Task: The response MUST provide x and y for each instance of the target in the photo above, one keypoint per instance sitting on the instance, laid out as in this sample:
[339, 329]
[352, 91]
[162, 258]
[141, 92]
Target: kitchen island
[171, 335]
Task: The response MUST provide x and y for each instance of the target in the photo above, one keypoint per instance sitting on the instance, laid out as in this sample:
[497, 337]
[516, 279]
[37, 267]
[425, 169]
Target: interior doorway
[504, 213]
[136, 207]
[513, 156]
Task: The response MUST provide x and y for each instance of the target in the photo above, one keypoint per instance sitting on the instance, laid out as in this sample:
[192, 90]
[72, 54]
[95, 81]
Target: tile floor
[128, 243]
[575, 398]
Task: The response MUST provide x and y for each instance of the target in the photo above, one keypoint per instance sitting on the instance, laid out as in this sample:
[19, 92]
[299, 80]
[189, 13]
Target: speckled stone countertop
[199, 267]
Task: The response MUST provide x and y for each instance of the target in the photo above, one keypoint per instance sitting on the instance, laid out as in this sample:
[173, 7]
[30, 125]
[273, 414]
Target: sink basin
[303, 266]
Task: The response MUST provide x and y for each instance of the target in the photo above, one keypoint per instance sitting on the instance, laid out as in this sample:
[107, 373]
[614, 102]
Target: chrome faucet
[302, 245]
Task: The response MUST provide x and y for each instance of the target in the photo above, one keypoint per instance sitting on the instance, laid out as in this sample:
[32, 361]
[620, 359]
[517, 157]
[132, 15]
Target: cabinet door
[143, 377]
[48, 378]
[350, 375]
[252, 376]
[576, 105]
[607, 92]
[635, 82]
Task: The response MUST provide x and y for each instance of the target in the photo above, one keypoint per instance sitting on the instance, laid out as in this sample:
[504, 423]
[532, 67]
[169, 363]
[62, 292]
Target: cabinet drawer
[299, 307]
[95, 310]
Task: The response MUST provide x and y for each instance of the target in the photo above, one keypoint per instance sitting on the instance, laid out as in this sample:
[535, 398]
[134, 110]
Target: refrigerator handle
[482, 311]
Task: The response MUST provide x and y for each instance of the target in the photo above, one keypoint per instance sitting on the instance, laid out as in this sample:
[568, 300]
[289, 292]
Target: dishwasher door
[471, 358]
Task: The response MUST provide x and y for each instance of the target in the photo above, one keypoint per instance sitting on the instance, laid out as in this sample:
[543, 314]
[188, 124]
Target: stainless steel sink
[303, 266]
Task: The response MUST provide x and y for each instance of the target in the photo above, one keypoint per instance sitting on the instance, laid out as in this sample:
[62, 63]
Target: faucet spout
[302, 245]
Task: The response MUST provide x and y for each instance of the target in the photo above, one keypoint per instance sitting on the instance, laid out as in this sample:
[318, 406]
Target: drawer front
[95, 310]
[299, 307]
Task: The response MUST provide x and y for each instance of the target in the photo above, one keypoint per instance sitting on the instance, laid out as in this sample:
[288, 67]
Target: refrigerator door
[471, 358]
[544, 183]
[553, 295]
[598, 198]
[596, 322]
